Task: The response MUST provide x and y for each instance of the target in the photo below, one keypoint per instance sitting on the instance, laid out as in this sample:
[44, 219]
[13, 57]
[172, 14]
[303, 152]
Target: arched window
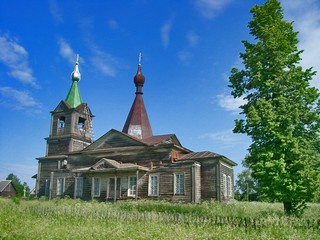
[62, 121]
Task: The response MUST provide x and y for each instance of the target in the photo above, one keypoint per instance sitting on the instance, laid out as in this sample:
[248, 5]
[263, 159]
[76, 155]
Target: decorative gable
[109, 165]
[114, 139]
[62, 107]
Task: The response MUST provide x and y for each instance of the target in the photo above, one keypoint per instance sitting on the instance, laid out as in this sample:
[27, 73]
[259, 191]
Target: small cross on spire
[140, 58]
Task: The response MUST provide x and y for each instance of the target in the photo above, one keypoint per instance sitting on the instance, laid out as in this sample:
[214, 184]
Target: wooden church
[132, 163]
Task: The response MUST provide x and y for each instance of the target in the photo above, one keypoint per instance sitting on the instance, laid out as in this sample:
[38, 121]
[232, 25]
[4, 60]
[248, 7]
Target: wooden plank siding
[208, 180]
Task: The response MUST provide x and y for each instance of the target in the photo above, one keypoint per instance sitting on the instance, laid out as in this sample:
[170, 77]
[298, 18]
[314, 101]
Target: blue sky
[188, 49]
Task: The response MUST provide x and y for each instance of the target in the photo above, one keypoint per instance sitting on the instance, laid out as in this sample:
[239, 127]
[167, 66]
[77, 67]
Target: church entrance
[114, 188]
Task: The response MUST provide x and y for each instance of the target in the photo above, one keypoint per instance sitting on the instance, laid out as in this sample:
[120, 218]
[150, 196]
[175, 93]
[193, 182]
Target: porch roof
[109, 165]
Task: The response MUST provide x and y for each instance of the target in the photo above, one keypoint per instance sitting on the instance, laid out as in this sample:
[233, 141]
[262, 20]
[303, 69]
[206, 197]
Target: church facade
[132, 163]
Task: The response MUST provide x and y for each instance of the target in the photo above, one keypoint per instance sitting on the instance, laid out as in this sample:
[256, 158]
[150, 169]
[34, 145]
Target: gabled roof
[4, 184]
[112, 139]
[109, 165]
[206, 155]
[167, 138]
[63, 106]
[115, 138]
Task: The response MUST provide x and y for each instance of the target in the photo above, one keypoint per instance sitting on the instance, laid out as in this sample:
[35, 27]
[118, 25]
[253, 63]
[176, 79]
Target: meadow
[145, 219]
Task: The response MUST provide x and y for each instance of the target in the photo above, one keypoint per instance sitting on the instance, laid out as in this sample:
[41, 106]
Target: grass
[17, 222]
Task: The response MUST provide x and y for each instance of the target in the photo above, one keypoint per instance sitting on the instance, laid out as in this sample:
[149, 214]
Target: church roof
[74, 98]
[109, 165]
[137, 123]
[206, 155]
[4, 184]
[117, 139]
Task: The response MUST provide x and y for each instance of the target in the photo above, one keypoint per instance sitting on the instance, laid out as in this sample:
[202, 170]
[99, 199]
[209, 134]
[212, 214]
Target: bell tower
[71, 121]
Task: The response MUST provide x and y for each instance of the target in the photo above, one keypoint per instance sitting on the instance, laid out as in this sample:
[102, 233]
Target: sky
[188, 50]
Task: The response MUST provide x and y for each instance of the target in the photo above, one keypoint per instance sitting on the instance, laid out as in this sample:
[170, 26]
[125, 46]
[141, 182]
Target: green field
[69, 219]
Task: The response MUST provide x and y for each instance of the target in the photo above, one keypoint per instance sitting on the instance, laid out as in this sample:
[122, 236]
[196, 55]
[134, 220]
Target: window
[81, 123]
[224, 186]
[132, 184]
[62, 121]
[178, 183]
[96, 187]
[229, 187]
[60, 186]
[79, 186]
[47, 188]
[153, 185]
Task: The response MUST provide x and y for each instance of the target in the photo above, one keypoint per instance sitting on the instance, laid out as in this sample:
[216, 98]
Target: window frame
[98, 193]
[47, 188]
[132, 189]
[229, 184]
[61, 122]
[177, 184]
[224, 185]
[78, 191]
[150, 184]
[60, 186]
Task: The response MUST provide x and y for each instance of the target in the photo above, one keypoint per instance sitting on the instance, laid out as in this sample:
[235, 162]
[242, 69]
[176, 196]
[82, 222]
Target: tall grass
[56, 220]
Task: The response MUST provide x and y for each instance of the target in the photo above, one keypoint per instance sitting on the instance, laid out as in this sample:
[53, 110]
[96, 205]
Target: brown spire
[137, 123]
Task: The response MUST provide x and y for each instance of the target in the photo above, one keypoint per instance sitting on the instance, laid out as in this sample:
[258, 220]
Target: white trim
[229, 182]
[132, 191]
[60, 191]
[224, 185]
[223, 164]
[149, 185]
[94, 194]
[80, 193]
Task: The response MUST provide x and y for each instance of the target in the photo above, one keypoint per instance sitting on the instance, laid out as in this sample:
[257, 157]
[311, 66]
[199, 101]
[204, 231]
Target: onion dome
[75, 75]
[139, 78]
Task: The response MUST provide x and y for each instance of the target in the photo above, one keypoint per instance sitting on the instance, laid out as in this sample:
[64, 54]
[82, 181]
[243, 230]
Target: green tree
[281, 114]
[17, 183]
[246, 187]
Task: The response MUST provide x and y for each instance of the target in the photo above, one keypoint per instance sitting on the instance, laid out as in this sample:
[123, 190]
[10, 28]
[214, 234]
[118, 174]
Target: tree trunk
[288, 208]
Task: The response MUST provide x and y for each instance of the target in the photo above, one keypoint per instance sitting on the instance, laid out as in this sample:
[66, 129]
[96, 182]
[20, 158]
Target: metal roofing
[157, 139]
[137, 123]
[197, 155]
[73, 98]
[4, 184]
[206, 155]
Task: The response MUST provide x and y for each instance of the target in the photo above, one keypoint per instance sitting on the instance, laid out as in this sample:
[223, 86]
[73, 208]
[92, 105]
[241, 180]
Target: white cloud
[210, 8]
[229, 103]
[104, 62]
[184, 56]
[66, 51]
[226, 138]
[306, 17]
[55, 11]
[113, 24]
[18, 99]
[193, 38]
[165, 33]
[15, 57]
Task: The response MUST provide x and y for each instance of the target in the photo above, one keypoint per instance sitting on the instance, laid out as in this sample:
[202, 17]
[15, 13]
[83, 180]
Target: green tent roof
[73, 98]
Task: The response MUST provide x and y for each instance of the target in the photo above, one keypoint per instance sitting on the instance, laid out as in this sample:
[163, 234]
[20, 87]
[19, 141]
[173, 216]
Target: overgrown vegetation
[75, 219]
